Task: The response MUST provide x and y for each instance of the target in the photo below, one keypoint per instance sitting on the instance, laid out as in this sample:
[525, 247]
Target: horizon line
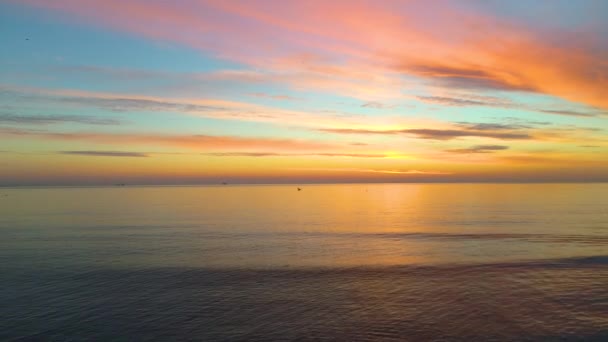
[227, 184]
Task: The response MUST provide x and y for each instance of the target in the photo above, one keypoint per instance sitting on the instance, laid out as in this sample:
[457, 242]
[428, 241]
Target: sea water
[349, 262]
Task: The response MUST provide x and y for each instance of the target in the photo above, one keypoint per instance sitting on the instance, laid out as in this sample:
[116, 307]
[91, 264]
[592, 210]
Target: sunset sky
[197, 91]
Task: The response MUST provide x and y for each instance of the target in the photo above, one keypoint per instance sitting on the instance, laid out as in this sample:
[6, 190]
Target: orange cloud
[197, 142]
[394, 172]
[275, 154]
[436, 134]
[376, 41]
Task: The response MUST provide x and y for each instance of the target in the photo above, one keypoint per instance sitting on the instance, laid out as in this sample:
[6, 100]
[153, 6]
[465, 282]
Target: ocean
[343, 262]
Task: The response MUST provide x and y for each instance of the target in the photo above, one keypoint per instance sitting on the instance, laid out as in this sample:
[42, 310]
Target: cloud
[569, 113]
[304, 73]
[194, 81]
[396, 172]
[472, 77]
[105, 153]
[491, 126]
[460, 102]
[446, 134]
[531, 159]
[358, 131]
[462, 48]
[531, 129]
[480, 149]
[409, 172]
[56, 119]
[196, 142]
[118, 102]
[274, 154]
[274, 97]
[376, 105]
[522, 122]
[123, 74]
[200, 107]
[138, 104]
[435, 134]
[243, 154]
[490, 101]
[450, 101]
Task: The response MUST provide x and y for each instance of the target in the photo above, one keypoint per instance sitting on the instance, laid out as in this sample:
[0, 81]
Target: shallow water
[334, 262]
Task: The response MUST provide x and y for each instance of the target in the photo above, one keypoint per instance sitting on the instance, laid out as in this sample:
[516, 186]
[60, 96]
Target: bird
[299, 189]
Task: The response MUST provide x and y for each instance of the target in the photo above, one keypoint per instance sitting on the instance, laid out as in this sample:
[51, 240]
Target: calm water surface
[450, 262]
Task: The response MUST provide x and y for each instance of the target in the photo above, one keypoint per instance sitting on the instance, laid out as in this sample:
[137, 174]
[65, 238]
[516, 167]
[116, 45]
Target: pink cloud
[362, 48]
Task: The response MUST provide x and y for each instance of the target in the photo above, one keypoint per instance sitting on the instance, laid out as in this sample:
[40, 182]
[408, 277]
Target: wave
[530, 237]
[554, 299]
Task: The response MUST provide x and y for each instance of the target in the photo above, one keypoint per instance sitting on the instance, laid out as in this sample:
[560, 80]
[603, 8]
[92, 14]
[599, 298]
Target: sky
[211, 91]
